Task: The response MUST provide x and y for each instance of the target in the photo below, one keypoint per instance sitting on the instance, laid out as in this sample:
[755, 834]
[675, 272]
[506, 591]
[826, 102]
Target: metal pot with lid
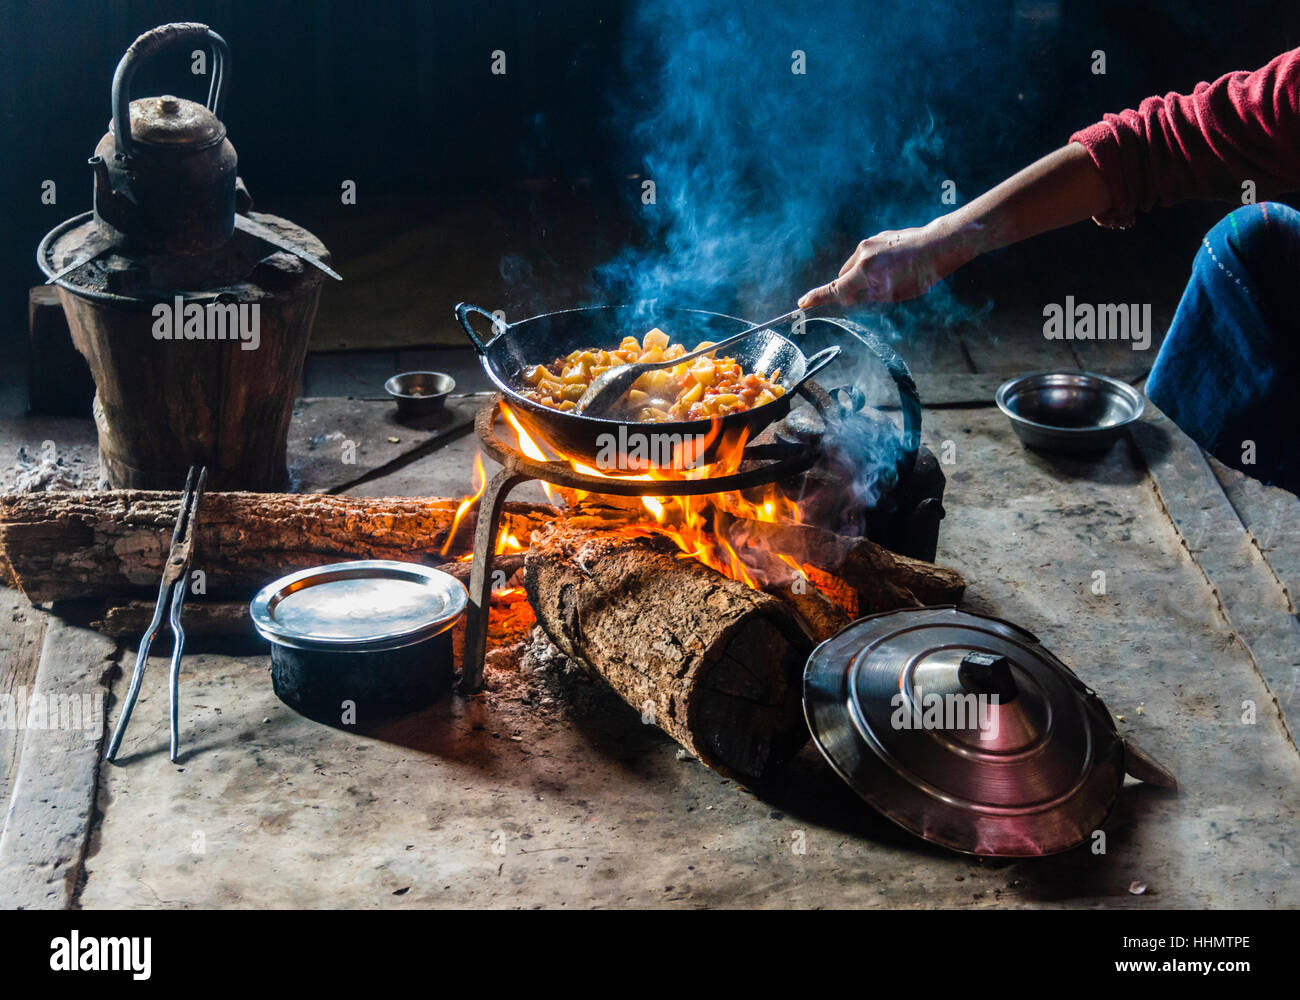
[965, 730]
[375, 633]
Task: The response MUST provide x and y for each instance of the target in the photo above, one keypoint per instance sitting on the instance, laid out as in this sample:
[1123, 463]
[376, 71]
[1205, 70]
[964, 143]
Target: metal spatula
[609, 387]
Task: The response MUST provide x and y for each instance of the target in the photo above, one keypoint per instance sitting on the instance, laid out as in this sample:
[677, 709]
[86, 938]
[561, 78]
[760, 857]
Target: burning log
[693, 643]
[96, 544]
[859, 575]
[821, 616]
[55, 546]
[881, 580]
[716, 664]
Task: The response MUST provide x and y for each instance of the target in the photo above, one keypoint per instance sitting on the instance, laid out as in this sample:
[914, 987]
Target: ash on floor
[532, 677]
[39, 470]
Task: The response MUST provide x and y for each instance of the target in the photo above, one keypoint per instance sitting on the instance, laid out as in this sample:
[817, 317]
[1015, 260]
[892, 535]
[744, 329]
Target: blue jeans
[1228, 372]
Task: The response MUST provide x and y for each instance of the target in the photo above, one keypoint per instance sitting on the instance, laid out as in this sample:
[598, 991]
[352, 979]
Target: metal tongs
[175, 579]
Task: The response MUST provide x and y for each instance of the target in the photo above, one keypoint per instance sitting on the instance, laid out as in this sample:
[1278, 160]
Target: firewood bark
[105, 544]
[714, 664]
[231, 618]
[202, 618]
[820, 616]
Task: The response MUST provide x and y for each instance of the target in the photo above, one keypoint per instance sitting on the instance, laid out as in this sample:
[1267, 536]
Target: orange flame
[693, 522]
[526, 444]
[480, 484]
[507, 542]
[798, 570]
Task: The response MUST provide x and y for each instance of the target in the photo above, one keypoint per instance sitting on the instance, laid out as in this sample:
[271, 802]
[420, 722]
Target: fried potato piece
[706, 387]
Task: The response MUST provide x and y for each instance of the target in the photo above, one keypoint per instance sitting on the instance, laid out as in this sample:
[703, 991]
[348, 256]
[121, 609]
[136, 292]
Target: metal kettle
[165, 173]
[166, 191]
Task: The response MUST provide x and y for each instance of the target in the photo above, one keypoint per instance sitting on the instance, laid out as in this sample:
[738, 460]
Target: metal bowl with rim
[418, 394]
[1069, 413]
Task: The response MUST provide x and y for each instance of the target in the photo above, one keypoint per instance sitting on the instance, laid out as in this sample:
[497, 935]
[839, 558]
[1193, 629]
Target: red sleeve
[1243, 126]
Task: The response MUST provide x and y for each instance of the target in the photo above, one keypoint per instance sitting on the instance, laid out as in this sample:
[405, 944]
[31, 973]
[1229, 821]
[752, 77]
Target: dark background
[397, 95]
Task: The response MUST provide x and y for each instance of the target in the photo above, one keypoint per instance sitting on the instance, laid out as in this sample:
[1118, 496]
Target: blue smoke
[766, 178]
[760, 171]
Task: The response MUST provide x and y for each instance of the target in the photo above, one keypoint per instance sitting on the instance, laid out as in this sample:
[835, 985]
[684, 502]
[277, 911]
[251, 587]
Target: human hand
[891, 266]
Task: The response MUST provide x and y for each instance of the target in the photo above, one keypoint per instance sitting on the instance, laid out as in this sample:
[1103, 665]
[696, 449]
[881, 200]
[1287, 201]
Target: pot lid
[174, 122]
[362, 606]
[964, 730]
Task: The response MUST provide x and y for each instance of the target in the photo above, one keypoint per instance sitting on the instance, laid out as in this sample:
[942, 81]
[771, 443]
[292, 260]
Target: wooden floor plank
[21, 637]
[47, 823]
[1272, 516]
[1252, 597]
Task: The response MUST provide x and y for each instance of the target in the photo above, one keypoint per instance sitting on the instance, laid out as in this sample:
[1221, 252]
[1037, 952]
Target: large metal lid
[361, 606]
[964, 730]
[174, 122]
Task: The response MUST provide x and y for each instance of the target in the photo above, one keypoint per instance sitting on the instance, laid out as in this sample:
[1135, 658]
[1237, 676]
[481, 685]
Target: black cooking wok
[516, 347]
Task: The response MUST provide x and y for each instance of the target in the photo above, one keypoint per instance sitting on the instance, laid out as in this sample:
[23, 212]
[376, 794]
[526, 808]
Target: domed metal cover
[174, 121]
[964, 730]
[365, 606]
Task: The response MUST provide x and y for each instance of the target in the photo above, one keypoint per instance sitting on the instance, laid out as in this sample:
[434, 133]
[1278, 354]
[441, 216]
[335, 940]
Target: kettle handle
[902, 376]
[149, 44]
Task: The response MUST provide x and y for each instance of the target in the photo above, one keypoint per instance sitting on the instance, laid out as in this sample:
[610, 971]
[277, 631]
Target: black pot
[359, 642]
[380, 685]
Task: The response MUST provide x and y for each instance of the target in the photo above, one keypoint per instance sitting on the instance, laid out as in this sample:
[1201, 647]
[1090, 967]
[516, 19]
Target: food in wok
[705, 387]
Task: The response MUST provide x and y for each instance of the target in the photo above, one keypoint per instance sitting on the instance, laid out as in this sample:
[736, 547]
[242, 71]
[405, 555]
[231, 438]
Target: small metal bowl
[1069, 413]
[420, 393]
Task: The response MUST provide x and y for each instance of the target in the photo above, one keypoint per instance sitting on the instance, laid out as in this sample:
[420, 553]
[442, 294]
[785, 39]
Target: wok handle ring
[818, 361]
[499, 325]
[150, 44]
[902, 376]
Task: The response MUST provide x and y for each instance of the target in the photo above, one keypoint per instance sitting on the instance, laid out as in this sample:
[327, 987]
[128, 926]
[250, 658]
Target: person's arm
[1238, 135]
[1063, 187]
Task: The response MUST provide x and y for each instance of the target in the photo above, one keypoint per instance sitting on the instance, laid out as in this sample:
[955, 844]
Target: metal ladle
[609, 387]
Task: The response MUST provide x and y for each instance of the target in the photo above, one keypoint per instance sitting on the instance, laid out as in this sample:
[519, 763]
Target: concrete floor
[548, 791]
[503, 802]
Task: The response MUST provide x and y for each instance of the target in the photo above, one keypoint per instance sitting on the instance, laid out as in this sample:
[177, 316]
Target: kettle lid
[965, 730]
[174, 123]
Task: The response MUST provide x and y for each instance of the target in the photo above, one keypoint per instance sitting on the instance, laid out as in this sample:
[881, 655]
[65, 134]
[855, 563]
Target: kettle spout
[110, 184]
[100, 169]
